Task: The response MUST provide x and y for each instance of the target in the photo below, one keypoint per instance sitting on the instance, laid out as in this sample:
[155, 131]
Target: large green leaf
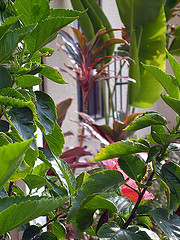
[55, 140]
[175, 67]
[4, 126]
[145, 120]
[7, 25]
[113, 231]
[8, 44]
[151, 51]
[36, 181]
[170, 173]
[132, 166]
[140, 12]
[61, 12]
[170, 226]
[172, 102]
[168, 82]
[46, 111]
[60, 168]
[32, 11]
[5, 77]
[12, 97]
[84, 217]
[19, 210]
[59, 230]
[11, 157]
[22, 118]
[26, 81]
[120, 149]
[95, 184]
[45, 32]
[52, 74]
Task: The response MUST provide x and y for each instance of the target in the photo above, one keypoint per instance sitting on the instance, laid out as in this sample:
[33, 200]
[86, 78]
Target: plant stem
[137, 204]
[10, 189]
[52, 220]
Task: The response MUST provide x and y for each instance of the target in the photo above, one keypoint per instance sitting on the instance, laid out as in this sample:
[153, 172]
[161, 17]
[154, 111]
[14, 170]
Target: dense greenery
[113, 203]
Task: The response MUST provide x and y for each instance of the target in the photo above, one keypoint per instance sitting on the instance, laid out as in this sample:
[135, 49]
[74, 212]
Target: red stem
[137, 204]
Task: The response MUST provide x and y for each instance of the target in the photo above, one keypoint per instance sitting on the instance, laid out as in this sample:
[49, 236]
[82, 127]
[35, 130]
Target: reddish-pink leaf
[62, 108]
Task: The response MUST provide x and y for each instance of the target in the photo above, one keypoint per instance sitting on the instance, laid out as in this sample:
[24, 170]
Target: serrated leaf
[45, 32]
[59, 230]
[40, 169]
[172, 103]
[120, 149]
[58, 12]
[18, 210]
[8, 44]
[170, 226]
[5, 77]
[7, 25]
[32, 11]
[52, 74]
[60, 168]
[95, 184]
[46, 111]
[35, 181]
[4, 139]
[22, 118]
[166, 80]
[55, 140]
[132, 166]
[145, 120]
[84, 217]
[11, 157]
[26, 81]
[112, 231]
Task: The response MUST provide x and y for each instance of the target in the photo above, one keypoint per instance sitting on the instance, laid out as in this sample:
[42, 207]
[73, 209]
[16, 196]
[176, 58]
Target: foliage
[87, 59]
[25, 28]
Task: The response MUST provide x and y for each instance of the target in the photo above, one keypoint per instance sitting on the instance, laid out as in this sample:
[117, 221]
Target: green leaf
[35, 182]
[26, 81]
[45, 32]
[175, 67]
[84, 20]
[96, 183]
[172, 103]
[84, 217]
[40, 169]
[46, 111]
[58, 190]
[112, 231]
[9, 22]
[11, 157]
[150, 49]
[22, 118]
[65, 13]
[120, 149]
[30, 232]
[4, 126]
[132, 166]
[23, 170]
[145, 120]
[11, 97]
[170, 173]
[4, 139]
[5, 77]
[8, 44]
[32, 11]
[60, 168]
[52, 74]
[140, 13]
[153, 152]
[55, 140]
[59, 230]
[47, 236]
[170, 226]
[166, 80]
[18, 210]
